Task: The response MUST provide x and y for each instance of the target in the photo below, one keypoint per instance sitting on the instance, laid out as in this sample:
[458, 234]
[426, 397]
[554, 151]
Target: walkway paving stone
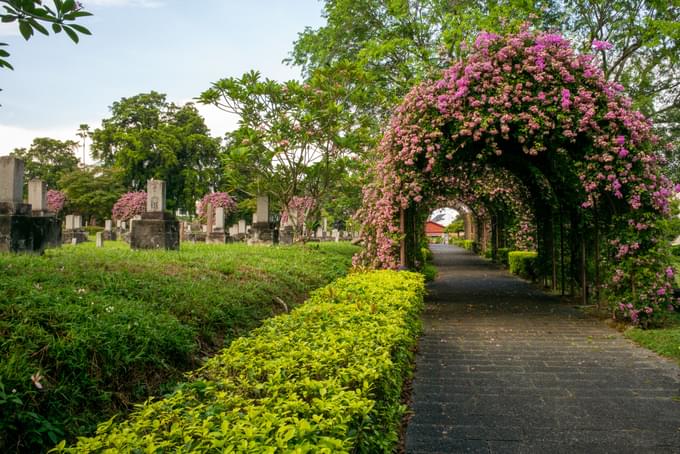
[505, 368]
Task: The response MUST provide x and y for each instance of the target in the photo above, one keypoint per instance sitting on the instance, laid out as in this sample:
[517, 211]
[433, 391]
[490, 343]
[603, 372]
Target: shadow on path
[505, 368]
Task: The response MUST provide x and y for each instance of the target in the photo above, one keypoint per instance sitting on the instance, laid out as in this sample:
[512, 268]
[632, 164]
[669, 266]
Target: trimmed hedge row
[325, 378]
[470, 245]
[523, 263]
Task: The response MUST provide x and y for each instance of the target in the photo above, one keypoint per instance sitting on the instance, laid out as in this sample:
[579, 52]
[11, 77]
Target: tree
[148, 137]
[92, 192]
[34, 15]
[83, 133]
[391, 46]
[289, 136]
[48, 159]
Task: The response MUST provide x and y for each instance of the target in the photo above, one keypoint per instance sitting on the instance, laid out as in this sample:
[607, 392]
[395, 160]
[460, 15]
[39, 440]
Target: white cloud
[217, 120]
[131, 3]
[17, 137]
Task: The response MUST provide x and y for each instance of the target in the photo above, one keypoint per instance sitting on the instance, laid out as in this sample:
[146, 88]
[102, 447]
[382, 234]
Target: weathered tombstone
[16, 227]
[336, 235]
[210, 218]
[74, 241]
[319, 232]
[47, 227]
[37, 197]
[100, 239]
[218, 234]
[73, 230]
[325, 224]
[261, 231]
[109, 233]
[157, 229]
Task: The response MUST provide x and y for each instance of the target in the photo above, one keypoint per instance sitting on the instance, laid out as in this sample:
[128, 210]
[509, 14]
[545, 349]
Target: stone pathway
[504, 368]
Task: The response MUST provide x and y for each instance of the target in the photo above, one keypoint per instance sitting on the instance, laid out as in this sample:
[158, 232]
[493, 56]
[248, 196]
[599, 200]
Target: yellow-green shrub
[326, 378]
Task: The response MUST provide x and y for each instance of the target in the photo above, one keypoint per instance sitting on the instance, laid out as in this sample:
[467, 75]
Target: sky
[174, 47]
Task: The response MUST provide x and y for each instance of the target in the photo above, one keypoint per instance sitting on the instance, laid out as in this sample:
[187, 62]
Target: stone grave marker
[157, 228]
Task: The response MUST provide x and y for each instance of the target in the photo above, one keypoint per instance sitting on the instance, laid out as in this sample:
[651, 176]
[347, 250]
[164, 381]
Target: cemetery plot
[87, 332]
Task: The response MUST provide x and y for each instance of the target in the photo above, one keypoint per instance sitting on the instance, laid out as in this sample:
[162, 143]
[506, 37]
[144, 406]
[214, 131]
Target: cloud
[126, 3]
[17, 137]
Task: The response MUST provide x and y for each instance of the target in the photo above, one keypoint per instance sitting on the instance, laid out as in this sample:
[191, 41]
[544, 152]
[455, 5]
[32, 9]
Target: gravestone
[157, 228]
[109, 233]
[261, 231]
[336, 235]
[100, 239]
[47, 227]
[73, 230]
[16, 227]
[218, 234]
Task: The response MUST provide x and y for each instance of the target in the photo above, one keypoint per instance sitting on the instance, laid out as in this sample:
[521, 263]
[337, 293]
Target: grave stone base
[217, 238]
[47, 231]
[286, 235]
[156, 230]
[69, 235]
[109, 235]
[16, 227]
[261, 233]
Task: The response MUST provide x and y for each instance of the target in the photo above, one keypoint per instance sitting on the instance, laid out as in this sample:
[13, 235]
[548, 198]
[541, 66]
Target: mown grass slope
[86, 332]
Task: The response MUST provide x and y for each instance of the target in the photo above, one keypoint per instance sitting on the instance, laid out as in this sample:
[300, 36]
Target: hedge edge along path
[326, 378]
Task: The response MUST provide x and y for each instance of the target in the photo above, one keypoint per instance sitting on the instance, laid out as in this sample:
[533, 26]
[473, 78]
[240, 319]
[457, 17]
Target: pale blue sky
[172, 46]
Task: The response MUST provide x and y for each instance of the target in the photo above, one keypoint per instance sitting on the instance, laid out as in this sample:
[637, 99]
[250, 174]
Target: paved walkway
[503, 368]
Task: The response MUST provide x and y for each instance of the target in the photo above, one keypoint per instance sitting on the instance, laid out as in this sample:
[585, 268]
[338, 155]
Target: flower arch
[567, 143]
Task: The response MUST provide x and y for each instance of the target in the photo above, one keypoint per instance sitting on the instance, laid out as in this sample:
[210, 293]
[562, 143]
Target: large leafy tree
[48, 159]
[92, 192]
[36, 15]
[149, 137]
[394, 45]
[290, 135]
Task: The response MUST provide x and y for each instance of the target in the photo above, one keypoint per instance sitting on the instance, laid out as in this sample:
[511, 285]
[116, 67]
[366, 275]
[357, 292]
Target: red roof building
[433, 229]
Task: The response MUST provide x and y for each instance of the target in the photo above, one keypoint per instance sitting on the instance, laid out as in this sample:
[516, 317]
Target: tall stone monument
[47, 227]
[157, 228]
[262, 232]
[20, 231]
[216, 232]
[109, 231]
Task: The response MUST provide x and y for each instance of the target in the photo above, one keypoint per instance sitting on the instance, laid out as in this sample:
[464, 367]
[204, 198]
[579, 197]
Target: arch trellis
[569, 144]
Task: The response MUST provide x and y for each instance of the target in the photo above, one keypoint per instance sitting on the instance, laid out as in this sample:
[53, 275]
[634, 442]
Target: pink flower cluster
[129, 205]
[297, 210]
[217, 199]
[529, 96]
[55, 201]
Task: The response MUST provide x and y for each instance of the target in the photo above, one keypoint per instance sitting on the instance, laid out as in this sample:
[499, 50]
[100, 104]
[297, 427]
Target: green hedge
[325, 378]
[466, 244]
[523, 263]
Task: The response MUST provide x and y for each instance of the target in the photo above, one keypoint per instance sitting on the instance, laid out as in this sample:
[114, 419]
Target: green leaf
[80, 29]
[71, 34]
[25, 29]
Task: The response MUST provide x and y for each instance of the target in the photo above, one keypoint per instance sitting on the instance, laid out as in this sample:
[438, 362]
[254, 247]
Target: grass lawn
[664, 341]
[87, 332]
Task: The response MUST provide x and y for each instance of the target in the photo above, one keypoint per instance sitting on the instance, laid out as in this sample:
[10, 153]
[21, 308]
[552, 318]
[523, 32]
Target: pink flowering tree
[296, 213]
[129, 205]
[527, 103]
[216, 199]
[55, 201]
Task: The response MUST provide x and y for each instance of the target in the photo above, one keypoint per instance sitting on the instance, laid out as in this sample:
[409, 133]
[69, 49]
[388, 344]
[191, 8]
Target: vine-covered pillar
[402, 243]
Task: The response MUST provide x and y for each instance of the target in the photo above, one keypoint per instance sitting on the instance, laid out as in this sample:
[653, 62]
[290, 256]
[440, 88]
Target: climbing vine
[529, 104]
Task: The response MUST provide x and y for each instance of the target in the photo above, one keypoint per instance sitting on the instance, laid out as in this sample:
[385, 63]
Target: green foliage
[33, 15]
[92, 192]
[426, 254]
[326, 378]
[48, 159]
[148, 137]
[293, 139]
[429, 271]
[108, 327]
[470, 245]
[502, 255]
[523, 263]
[92, 230]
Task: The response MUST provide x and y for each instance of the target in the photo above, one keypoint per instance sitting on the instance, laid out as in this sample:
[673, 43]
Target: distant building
[434, 230]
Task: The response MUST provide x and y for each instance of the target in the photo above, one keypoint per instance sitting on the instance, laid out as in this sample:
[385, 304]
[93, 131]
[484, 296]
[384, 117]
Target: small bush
[523, 263]
[429, 271]
[675, 250]
[326, 378]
